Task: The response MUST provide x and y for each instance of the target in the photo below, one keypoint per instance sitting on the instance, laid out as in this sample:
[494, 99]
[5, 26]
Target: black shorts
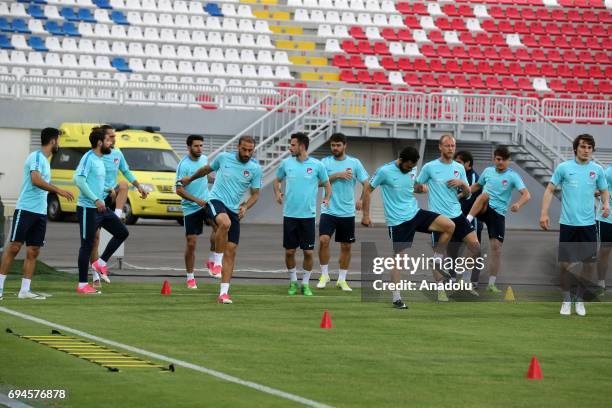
[344, 227]
[604, 230]
[29, 227]
[299, 232]
[402, 235]
[496, 223]
[216, 207]
[194, 222]
[578, 243]
[109, 202]
[462, 229]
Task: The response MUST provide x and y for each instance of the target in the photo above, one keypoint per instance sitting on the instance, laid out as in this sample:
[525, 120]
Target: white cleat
[580, 310]
[323, 281]
[566, 308]
[30, 295]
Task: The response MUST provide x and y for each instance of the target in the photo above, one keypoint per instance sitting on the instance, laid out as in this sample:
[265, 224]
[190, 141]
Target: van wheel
[181, 221]
[130, 219]
[54, 210]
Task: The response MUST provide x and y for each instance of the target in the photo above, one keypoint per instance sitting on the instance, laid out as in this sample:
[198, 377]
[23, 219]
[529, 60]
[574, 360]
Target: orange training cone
[326, 321]
[166, 288]
[534, 372]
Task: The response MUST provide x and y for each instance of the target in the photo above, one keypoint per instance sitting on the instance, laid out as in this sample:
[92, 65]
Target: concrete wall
[15, 148]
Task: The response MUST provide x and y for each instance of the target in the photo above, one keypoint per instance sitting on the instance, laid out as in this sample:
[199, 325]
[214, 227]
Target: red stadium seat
[356, 62]
[558, 15]
[524, 84]
[459, 52]
[436, 36]
[508, 84]
[380, 78]
[357, 33]
[412, 79]
[498, 39]
[365, 47]
[576, 43]
[443, 24]
[530, 41]
[349, 47]
[601, 57]
[364, 77]
[389, 64]
[554, 56]
[515, 69]
[588, 86]
[420, 8]
[388, 34]
[506, 53]
[348, 76]
[604, 17]
[546, 42]
[444, 52]
[570, 56]
[497, 12]
[532, 70]
[467, 38]
[537, 28]
[528, 14]
[489, 25]
[538, 55]
[561, 42]
[580, 71]
[436, 65]
[405, 64]
[521, 27]
[596, 72]
[552, 29]
[490, 53]
[428, 50]
[381, 48]
[475, 52]
[573, 86]
[404, 7]
[556, 85]
[429, 81]
[585, 57]
[522, 54]
[564, 71]
[483, 39]
[476, 83]
[404, 35]
[548, 70]
[420, 65]
[445, 81]
[567, 29]
[466, 11]
[412, 22]
[461, 81]
[450, 10]
[484, 68]
[453, 66]
[340, 61]
[500, 68]
[542, 14]
[458, 24]
[513, 13]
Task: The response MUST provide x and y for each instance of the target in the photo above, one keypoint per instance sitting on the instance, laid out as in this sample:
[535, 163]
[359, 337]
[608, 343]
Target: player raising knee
[491, 206]
[339, 217]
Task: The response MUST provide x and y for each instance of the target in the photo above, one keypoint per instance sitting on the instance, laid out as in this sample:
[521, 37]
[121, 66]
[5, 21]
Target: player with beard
[91, 210]
[30, 218]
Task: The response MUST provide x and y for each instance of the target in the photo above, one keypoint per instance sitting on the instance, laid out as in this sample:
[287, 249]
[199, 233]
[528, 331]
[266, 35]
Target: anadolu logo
[246, 173]
[309, 170]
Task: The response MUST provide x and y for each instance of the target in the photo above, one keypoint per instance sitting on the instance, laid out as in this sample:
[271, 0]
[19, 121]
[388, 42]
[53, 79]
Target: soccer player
[578, 179]
[491, 206]
[194, 198]
[30, 217]
[466, 159]
[339, 217]
[446, 181]
[115, 197]
[604, 227]
[403, 216]
[91, 210]
[303, 174]
[235, 173]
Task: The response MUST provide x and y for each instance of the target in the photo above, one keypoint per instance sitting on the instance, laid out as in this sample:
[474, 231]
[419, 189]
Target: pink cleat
[225, 299]
[191, 284]
[209, 265]
[102, 270]
[87, 290]
[215, 272]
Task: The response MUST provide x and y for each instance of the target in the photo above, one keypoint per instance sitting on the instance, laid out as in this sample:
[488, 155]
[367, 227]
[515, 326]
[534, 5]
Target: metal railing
[578, 110]
[171, 94]
[68, 89]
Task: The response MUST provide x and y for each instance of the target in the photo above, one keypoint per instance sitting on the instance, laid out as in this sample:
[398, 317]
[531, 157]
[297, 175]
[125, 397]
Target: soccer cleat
[580, 310]
[30, 295]
[215, 272]
[225, 299]
[323, 281]
[293, 288]
[191, 284]
[87, 290]
[306, 290]
[442, 296]
[566, 308]
[492, 288]
[341, 284]
[398, 304]
[209, 265]
[474, 291]
[102, 270]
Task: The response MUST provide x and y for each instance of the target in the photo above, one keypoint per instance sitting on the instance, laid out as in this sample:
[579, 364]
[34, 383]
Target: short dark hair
[246, 138]
[48, 134]
[502, 151]
[465, 157]
[104, 128]
[191, 138]
[444, 136]
[338, 138]
[302, 139]
[409, 154]
[586, 138]
[96, 135]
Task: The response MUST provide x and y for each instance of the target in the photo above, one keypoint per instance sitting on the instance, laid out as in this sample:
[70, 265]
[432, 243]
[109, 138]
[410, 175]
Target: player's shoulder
[254, 163]
[314, 160]
[596, 166]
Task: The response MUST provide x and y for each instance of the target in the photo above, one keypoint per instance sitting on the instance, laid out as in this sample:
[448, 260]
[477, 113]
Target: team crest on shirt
[246, 173]
[309, 170]
[504, 182]
[116, 160]
[592, 174]
[412, 176]
[456, 173]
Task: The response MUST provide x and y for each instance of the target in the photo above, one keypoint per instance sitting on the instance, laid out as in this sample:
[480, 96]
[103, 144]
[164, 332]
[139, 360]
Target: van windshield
[140, 159]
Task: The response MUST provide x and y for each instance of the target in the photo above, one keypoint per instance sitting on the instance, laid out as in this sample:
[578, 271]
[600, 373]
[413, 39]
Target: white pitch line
[161, 357]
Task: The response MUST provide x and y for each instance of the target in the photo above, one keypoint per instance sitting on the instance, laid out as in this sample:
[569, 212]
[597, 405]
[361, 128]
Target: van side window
[67, 158]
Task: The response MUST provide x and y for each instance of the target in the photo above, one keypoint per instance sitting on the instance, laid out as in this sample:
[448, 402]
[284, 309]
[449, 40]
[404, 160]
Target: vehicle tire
[54, 209]
[130, 219]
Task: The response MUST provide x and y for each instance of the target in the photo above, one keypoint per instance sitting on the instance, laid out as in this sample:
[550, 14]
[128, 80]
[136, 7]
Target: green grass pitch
[460, 354]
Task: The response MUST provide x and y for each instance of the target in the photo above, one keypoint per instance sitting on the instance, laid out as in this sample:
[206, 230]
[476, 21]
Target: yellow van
[150, 157]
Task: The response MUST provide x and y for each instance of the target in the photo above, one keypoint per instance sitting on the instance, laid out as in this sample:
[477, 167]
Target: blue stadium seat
[71, 30]
[20, 26]
[5, 42]
[37, 44]
[5, 25]
[103, 4]
[53, 28]
[32, 1]
[120, 65]
[36, 11]
[119, 18]
[68, 14]
[85, 15]
[213, 9]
